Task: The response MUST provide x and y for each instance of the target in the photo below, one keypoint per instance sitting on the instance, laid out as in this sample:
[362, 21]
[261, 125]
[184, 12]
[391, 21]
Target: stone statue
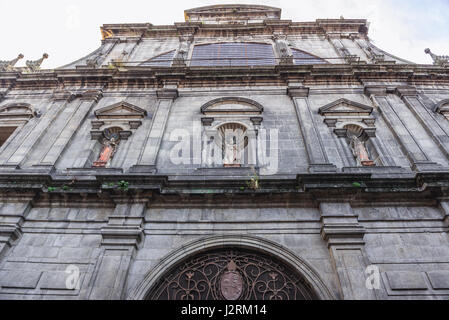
[360, 153]
[438, 60]
[282, 46]
[230, 157]
[33, 66]
[106, 154]
[6, 66]
[183, 51]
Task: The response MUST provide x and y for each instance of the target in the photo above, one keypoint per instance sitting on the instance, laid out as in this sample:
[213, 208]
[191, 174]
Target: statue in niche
[107, 152]
[231, 152]
[360, 153]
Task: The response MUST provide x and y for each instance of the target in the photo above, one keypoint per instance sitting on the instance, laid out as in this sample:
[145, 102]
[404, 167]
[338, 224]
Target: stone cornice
[346, 27]
[147, 77]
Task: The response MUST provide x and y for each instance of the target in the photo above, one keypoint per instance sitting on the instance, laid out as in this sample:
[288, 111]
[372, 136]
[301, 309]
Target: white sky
[68, 30]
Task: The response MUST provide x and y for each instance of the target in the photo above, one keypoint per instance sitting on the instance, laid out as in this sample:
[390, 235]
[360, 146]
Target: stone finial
[33, 66]
[6, 66]
[438, 60]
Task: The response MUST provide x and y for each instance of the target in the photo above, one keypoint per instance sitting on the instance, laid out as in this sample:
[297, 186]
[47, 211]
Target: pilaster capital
[63, 95]
[94, 95]
[167, 93]
[343, 234]
[375, 90]
[406, 91]
[298, 92]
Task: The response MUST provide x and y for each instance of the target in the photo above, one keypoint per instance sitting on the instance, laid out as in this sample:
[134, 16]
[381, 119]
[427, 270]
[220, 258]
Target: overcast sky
[68, 30]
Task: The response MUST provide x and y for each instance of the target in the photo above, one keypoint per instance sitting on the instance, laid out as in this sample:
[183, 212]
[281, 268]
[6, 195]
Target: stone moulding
[245, 106]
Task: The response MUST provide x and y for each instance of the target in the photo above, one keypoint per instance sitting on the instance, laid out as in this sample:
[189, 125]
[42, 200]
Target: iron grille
[233, 274]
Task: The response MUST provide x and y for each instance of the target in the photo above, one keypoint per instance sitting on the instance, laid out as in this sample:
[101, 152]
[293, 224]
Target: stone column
[13, 212]
[121, 238]
[344, 237]
[16, 153]
[318, 160]
[404, 135]
[409, 96]
[55, 147]
[148, 157]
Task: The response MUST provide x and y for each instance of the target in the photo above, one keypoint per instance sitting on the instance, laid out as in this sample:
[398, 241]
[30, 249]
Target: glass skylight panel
[301, 57]
[233, 54]
[163, 60]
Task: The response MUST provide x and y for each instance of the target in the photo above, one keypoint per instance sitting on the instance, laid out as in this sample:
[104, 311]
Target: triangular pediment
[345, 107]
[232, 106]
[121, 110]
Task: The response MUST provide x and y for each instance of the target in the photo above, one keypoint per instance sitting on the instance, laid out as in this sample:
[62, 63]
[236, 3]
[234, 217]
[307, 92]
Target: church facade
[233, 156]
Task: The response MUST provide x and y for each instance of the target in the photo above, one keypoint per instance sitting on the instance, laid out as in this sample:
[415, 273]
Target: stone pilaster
[318, 159]
[87, 100]
[16, 153]
[409, 96]
[13, 212]
[403, 133]
[121, 238]
[148, 157]
[345, 239]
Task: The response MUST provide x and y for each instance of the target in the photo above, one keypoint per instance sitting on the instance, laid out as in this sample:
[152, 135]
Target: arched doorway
[231, 274]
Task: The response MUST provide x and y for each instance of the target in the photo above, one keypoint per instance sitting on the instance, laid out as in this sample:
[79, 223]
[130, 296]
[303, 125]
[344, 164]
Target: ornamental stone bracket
[341, 50]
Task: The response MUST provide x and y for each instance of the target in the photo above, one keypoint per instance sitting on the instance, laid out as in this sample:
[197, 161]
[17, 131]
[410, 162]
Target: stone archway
[232, 268]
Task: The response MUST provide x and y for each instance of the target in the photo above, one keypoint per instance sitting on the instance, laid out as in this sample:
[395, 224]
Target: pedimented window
[124, 115]
[354, 124]
[343, 111]
[230, 129]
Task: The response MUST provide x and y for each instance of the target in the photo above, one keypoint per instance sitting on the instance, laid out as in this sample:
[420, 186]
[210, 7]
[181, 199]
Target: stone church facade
[233, 156]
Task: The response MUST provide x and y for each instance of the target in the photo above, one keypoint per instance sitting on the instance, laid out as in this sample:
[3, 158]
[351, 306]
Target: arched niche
[443, 108]
[228, 256]
[12, 117]
[232, 112]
